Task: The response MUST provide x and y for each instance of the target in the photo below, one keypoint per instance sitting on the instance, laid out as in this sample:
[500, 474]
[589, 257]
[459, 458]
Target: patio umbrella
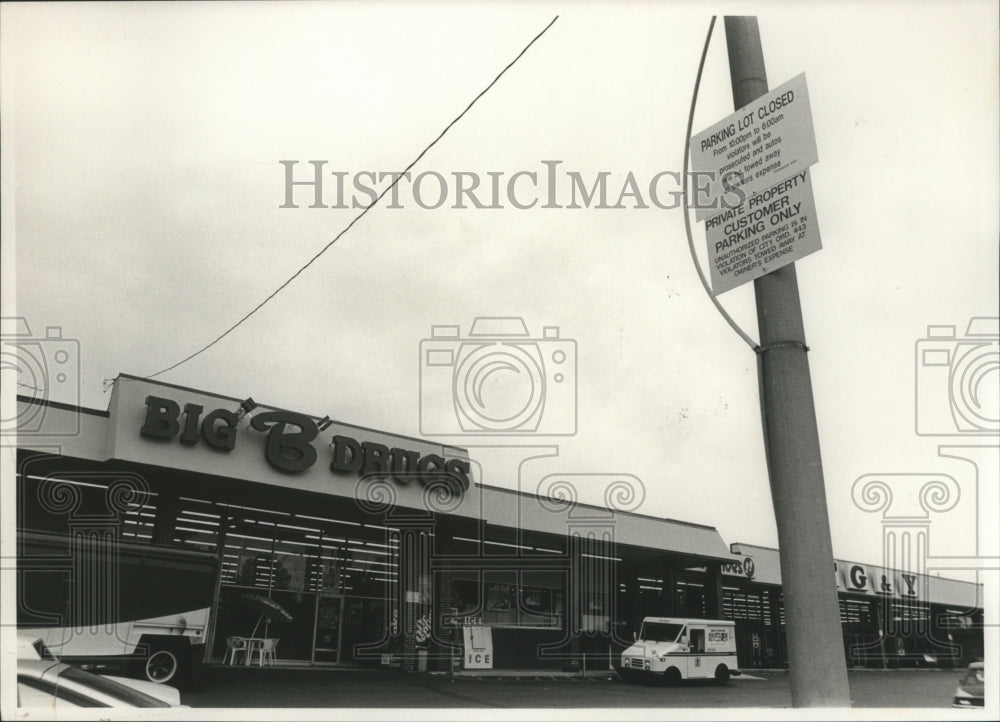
[267, 608]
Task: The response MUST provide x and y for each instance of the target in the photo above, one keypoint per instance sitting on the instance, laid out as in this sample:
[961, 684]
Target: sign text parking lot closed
[762, 143]
[770, 229]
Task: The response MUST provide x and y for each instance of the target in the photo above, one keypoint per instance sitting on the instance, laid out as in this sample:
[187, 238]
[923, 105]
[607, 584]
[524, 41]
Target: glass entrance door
[363, 635]
[326, 639]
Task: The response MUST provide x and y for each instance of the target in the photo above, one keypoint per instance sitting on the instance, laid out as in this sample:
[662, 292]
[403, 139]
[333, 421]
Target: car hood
[163, 692]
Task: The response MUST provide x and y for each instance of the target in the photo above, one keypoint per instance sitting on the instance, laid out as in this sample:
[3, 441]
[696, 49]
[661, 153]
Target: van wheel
[672, 675]
[721, 674]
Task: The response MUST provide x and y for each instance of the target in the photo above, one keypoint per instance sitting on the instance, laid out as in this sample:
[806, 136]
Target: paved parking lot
[285, 688]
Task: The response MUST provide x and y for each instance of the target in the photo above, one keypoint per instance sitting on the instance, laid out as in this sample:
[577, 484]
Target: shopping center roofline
[681, 536]
[601, 508]
[489, 487]
[61, 405]
[212, 394]
[734, 545]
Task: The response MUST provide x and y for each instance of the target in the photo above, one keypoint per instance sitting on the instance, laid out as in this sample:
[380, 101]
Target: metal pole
[791, 441]
[213, 615]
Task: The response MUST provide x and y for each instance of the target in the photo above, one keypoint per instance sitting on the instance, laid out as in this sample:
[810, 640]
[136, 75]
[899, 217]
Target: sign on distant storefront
[767, 231]
[760, 144]
[868, 579]
[741, 567]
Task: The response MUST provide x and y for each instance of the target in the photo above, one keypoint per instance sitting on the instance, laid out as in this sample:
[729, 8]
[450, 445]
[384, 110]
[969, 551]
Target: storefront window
[595, 614]
[289, 569]
[333, 584]
[247, 562]
[327, 574]
[536, 600]
[525, 599]
[501, 606]
[461, 601]
[541, 598]
[197, 525]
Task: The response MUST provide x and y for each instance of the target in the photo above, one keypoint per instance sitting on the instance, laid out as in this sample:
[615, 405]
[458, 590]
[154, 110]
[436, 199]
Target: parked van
[676, 649]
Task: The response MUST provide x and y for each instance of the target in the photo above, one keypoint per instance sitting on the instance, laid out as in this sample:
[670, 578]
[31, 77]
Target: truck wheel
[164, 660]
[721, 674]
[672, 675]
[162, 665]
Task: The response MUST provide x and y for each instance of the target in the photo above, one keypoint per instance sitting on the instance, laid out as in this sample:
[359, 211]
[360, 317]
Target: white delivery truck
[675, 649]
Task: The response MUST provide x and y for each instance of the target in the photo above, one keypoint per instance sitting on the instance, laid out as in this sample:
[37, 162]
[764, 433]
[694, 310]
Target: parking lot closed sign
[760, 144]
[767, 231]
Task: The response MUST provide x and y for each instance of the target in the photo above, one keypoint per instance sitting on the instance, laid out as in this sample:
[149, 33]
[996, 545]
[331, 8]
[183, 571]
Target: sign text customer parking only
[755, 194]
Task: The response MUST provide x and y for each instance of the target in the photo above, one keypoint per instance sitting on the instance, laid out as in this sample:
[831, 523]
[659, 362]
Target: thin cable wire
[365, 210]
[687, 219]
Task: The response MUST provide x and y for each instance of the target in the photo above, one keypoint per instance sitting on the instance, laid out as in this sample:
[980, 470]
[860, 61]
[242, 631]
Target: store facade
[383, 549]
[890, 617]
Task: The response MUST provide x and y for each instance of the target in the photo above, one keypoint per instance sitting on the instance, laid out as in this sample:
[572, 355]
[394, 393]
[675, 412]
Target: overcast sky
[142, 214]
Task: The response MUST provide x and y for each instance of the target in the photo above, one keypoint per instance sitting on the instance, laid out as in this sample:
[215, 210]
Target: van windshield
[660, 631]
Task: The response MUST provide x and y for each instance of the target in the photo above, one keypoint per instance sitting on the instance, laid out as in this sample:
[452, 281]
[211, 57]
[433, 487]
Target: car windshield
[660, 631]
[119, 691]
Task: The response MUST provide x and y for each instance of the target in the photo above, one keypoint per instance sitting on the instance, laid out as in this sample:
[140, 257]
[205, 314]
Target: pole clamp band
[780, 344]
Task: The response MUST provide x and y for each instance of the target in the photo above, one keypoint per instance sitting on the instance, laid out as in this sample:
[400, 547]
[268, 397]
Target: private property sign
[758, 204]
[770, 229]
[760, 144]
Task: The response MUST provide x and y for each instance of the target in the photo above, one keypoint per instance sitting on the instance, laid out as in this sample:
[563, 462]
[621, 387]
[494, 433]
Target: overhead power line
[687, 220]
[360, 215]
